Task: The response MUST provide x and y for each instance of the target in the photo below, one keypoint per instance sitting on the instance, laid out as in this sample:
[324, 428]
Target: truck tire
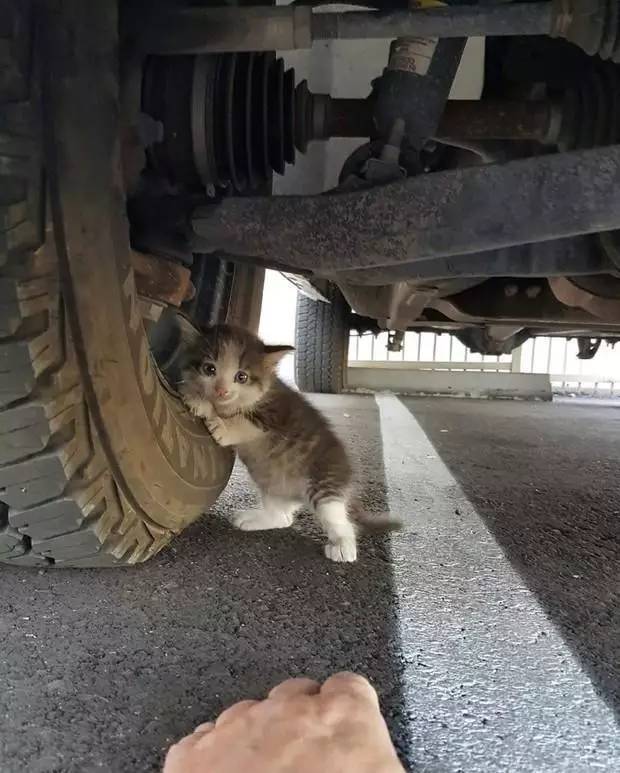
[321, 342]
[99, 463]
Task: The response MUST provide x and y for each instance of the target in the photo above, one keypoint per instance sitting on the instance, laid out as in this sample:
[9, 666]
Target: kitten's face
[229, 368]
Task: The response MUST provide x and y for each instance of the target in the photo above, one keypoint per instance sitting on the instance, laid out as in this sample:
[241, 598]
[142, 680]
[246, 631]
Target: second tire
[321, 342]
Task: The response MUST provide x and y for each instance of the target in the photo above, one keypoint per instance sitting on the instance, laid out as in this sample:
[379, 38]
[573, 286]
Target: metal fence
[599, 377]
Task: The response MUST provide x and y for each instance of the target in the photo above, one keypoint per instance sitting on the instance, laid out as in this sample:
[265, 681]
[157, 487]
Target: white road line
[489, 683]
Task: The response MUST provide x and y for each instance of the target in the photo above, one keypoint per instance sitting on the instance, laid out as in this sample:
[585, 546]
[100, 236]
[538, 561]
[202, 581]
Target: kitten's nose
[221, 391]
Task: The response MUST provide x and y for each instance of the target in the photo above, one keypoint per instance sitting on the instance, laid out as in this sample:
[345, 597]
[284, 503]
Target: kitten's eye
[208, 368]
[241, 377]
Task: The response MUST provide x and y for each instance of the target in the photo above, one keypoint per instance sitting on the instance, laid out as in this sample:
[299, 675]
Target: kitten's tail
[375, 523]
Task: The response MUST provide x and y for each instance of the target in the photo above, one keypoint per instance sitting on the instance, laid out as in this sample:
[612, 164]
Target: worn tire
[99, 463]
[321, 342]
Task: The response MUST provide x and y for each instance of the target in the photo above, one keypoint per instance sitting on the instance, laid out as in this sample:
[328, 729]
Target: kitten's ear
[273, 354]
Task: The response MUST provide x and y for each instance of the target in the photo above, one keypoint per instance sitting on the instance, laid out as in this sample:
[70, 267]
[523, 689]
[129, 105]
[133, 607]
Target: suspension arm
[458, 212]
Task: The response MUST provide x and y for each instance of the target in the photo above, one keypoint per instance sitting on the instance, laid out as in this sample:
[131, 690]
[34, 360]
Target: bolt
[533, 291]
[510, 290]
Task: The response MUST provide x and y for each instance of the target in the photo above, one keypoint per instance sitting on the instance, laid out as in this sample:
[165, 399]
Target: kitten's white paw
[259, 520]
[218, 430]
[197, 406]
[344, 550]
[207, 411]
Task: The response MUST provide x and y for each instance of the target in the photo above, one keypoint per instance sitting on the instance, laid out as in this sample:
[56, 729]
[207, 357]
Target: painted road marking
[490, 684]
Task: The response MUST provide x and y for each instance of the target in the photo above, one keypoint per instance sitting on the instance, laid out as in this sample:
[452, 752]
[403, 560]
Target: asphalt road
[490, 626]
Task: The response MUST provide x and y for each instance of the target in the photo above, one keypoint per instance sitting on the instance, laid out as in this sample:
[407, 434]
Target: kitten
[291, 452]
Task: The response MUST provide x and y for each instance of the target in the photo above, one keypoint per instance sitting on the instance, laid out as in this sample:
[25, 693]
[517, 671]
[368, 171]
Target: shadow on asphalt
[544, 478]
[111, 666]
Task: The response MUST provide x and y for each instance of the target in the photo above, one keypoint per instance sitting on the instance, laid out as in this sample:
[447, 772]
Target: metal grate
[569, 375]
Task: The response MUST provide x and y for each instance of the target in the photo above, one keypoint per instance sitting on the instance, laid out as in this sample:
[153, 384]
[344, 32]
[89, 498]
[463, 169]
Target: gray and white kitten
[291, 452]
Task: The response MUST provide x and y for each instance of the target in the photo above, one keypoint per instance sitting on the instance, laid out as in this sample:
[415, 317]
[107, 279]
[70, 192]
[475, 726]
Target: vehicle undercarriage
[139, 142]
[493, 217]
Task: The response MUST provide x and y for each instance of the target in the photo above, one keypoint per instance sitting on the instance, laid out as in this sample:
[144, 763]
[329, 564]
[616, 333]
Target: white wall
[277, 320]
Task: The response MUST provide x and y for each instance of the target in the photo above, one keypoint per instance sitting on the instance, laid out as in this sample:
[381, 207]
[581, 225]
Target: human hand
[302, 726]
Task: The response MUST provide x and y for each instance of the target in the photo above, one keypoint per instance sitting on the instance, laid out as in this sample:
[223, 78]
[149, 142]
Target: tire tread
[59, 504]
[321, 339]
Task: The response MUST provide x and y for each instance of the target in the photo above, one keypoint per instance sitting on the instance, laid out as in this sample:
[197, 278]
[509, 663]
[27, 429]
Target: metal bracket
[305, 287]
[570, 294]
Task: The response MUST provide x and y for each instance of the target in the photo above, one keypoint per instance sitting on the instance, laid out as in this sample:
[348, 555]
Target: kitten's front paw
[217, 429]
[207, 411]
[196, 404]
[343, 550]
